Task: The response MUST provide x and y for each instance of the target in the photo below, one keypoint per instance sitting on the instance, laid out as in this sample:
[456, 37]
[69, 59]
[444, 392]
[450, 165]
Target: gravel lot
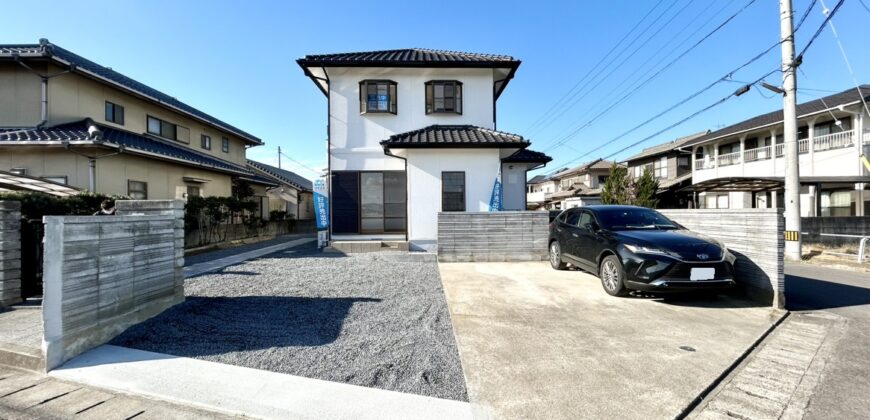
[377, 320]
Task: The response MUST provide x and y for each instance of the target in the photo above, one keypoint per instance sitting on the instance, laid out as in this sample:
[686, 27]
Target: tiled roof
[49, 50]
[595, 164]
[132, 142]
[454, 136]
[666, 147]
[408, 57]
[284, 175]
[537, 179]
[527, 156]
[845, 97]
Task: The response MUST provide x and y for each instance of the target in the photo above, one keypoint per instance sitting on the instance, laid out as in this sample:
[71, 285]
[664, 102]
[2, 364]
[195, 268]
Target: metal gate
[32, 232]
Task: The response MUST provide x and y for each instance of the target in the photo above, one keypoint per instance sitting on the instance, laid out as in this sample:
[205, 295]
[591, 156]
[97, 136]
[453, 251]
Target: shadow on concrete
[204, 326]
[813, 293]
[735, 298]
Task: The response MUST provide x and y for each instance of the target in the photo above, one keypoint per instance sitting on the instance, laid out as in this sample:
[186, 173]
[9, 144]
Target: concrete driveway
[540, 343]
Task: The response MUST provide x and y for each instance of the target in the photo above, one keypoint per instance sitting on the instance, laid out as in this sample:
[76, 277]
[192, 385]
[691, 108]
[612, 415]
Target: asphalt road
[845, 383]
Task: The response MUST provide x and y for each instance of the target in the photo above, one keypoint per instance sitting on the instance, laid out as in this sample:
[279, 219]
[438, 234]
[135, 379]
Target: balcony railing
[704, 164]
[832, 141]
[760, 153]
[728, 159]
[803, 147]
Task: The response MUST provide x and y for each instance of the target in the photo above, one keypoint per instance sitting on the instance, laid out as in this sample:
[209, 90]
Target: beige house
[70, 120]
[671, 166]
[291, 193]
[571, 187]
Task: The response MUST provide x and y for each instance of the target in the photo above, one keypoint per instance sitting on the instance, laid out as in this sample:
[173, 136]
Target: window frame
[205, 141]
[392, 92]
[144, 190]
[114, 110]
[48, 178]
[660, 167]
[457, 96]
[225, 144]
[464, 191]
[162, 134]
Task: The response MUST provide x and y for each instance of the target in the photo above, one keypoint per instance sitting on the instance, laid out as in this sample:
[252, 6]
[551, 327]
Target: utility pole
[789, 122]
[279, 157]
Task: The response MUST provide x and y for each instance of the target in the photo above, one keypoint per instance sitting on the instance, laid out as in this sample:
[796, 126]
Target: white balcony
[728, 159]
[759, 153]
[535, 197]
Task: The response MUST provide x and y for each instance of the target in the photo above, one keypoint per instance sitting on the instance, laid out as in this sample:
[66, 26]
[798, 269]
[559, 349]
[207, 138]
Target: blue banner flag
[321, 204]
[495, 202]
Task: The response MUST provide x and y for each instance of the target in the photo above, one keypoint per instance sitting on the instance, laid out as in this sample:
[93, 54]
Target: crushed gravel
[378, 320]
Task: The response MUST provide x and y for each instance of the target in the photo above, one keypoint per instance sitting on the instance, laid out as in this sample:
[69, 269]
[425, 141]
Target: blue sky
[235, 60]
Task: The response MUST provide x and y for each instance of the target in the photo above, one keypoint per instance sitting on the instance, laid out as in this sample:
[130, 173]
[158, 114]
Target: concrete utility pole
[279, 157]
[789, 122]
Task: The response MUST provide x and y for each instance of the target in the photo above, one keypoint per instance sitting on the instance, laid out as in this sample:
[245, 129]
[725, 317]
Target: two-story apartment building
[412, 132]
[742, 165]
[672, 167]
[570, 187]
[70, 120]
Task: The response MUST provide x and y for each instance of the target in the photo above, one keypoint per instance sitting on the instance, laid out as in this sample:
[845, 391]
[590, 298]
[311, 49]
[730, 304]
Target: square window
[114, 113]
[137, 190]
[443, 96]
[377, 96]
[205, 142]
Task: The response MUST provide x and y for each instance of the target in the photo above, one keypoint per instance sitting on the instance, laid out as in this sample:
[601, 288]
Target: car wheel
[612, 276]
[556, 256]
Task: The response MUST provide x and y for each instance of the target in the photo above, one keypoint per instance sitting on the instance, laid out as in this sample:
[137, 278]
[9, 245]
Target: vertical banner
[321, 211]
[495, 201]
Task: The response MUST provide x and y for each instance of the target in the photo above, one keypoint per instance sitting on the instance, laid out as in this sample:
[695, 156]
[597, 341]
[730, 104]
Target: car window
[585, 219]
[572, 218]
[635, 218]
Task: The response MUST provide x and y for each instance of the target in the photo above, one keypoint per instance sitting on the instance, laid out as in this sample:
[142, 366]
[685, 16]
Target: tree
[616, 188]
[645, 189]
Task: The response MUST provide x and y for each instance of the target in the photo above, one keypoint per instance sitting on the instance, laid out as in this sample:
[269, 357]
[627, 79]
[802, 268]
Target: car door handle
[575, 235]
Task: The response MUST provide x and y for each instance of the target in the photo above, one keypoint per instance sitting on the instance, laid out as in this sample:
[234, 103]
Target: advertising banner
[495, 201]
[321, 211]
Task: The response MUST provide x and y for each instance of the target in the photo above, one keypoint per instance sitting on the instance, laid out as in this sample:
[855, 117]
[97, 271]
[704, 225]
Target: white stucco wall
[424, 186]
[355, 137]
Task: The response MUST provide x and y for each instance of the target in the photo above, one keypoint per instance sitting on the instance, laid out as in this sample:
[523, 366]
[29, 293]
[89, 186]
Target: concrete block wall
[755, 236]
[103, 274]
[10, 252]
[847, 225]
[492, 236]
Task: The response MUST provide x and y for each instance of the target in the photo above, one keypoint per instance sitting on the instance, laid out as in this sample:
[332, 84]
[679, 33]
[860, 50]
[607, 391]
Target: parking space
[540, 343]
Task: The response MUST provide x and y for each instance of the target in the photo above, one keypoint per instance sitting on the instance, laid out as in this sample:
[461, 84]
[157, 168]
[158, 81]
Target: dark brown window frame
[457, 96]
[225, 144]
[464, 190]
[205, 141]
[145, 184]
[161, 133]
[115, 118]
[392, 89]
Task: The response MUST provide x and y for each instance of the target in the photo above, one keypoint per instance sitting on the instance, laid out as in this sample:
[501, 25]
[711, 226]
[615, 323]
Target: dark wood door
[345, 202]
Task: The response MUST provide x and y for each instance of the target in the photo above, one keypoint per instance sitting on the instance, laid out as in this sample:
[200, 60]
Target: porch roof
[527, 156]
[454, 136]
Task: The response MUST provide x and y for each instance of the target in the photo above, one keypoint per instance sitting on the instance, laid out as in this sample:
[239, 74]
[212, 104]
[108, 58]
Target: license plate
[702, 273]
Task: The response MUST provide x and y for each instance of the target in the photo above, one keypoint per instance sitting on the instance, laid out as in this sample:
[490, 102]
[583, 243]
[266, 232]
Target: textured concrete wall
[10, 252]
[103, 274]
[493, 236]
[855, 225]
[755, 236]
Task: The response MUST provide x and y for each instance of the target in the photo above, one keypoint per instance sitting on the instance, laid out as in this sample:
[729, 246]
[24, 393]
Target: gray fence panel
[10, 252]
[492, 236]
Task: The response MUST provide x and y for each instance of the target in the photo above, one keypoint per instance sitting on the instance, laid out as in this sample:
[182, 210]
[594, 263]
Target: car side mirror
[593, 227]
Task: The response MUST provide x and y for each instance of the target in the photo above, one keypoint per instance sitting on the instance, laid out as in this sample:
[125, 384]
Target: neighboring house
[69, 120]
[742, 165]
[671, 166]
[538, 188]
[576, 187]
[292, 194]
[412, 132]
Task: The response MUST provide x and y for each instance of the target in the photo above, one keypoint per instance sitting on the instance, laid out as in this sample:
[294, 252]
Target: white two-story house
[742, 165]
[412, 132]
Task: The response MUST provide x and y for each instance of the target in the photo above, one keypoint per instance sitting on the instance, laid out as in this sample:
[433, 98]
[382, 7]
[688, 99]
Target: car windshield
[631, 218]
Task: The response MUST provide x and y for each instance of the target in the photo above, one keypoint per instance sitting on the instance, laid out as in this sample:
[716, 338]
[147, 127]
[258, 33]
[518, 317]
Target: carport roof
[14, 182]
[743, 184]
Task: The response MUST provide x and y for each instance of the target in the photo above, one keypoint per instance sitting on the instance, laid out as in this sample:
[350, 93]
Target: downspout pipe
[43, 100]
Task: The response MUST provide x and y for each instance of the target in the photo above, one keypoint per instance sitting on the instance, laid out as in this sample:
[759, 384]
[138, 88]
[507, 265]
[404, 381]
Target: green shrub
[34, 205]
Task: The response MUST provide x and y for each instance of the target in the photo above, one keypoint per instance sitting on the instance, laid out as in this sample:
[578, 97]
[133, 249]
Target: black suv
[636, 248]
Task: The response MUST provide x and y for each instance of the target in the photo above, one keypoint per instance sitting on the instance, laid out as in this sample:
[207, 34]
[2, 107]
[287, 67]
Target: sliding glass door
[379, 201]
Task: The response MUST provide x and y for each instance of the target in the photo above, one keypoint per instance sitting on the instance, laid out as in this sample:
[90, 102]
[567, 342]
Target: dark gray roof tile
[454, 136]
[284, 175]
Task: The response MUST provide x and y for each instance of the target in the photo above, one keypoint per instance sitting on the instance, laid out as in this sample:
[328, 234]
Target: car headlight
[640, 249]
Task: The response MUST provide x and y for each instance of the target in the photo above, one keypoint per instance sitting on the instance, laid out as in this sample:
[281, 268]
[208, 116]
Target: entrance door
[345, 202]
[369, 202]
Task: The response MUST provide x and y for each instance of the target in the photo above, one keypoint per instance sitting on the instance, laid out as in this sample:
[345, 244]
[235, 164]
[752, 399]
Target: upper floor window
[225, 145]
[377, 96]
[114, 113]
[660, 169]
[444, 96]
[162, 128]
[205, 142]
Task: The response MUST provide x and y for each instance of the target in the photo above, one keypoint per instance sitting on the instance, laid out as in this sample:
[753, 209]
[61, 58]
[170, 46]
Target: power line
[301, 164]
[612, 49]
[843, 52]
[568, 106]
[659, 72]
[726, 77]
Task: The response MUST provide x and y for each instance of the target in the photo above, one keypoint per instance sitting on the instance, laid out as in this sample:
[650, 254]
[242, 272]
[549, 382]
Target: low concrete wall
[852, 225]
[103, 274]
[235, 232]
[10, 252]
[492, 236]
[755, 236]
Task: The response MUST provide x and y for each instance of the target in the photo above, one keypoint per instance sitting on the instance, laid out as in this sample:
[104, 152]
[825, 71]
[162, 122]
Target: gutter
[43, 100]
